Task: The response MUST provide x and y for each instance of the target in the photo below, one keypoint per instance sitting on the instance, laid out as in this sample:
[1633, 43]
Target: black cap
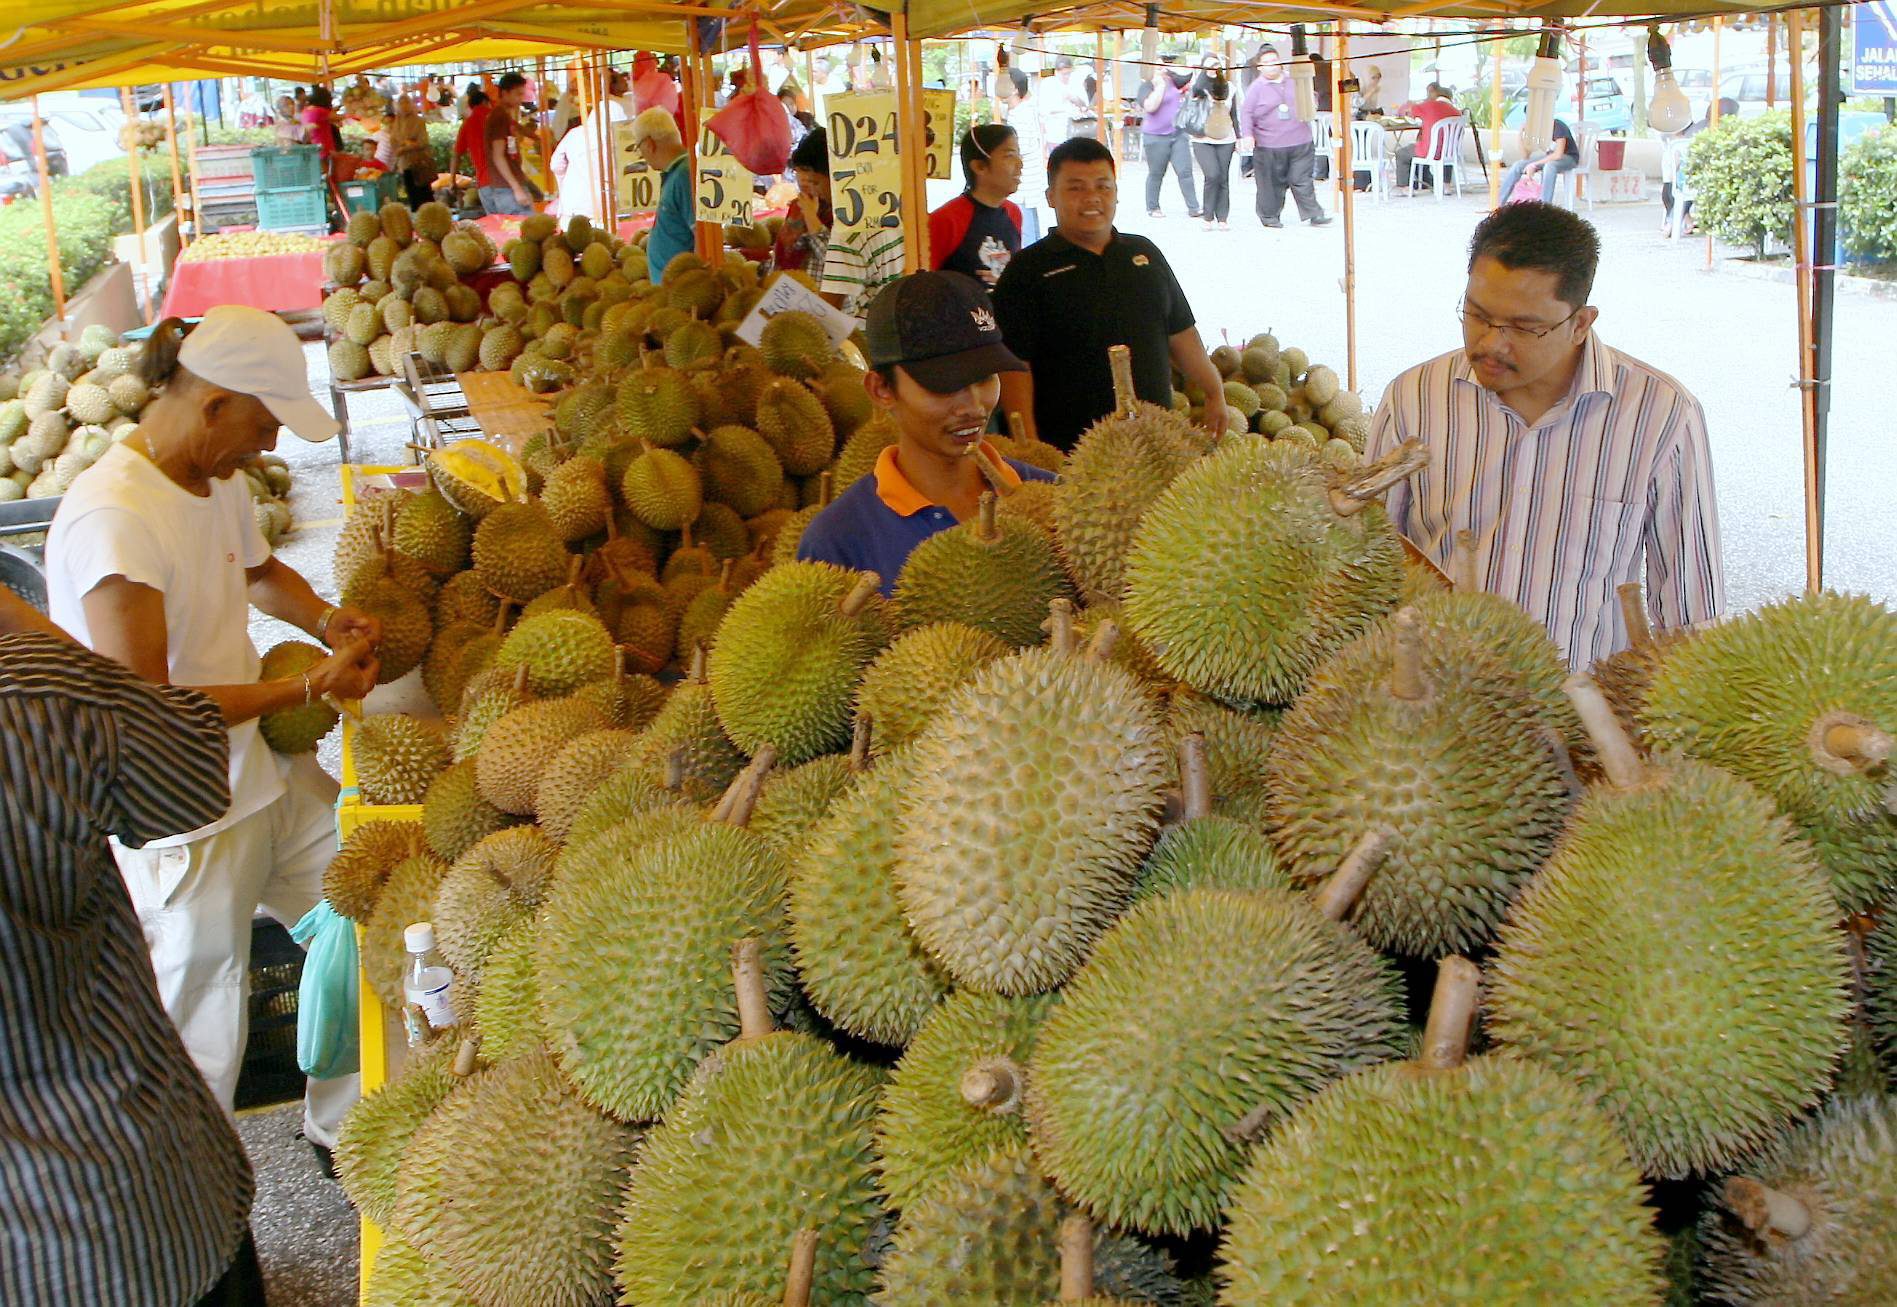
[940, 326]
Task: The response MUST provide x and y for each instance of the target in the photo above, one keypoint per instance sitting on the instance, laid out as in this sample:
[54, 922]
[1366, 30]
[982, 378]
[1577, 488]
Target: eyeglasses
[1509, 331]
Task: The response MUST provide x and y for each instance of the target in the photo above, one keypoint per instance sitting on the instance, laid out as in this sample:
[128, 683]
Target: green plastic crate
[286, 167]
[297, 207]
[368, 195]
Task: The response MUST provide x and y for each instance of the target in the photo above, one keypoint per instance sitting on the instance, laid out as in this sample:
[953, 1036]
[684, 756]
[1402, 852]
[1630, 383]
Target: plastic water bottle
[427, 986]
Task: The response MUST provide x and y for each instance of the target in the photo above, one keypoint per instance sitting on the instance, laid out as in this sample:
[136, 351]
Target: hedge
[1867, 197]
[1741, 173]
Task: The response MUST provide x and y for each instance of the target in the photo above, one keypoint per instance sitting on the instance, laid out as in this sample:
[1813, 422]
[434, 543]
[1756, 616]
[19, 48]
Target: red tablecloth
[277, 282]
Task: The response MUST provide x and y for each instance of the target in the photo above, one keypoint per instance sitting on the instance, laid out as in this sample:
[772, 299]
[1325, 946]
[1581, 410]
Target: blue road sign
[1874, 48]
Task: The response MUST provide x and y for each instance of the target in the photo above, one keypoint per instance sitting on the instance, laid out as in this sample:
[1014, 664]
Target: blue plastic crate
[303, 206]
[286, 167]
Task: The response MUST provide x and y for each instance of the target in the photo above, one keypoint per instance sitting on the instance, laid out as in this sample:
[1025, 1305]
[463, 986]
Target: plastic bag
[326, 1001]
[754, 125]
[1527, 187]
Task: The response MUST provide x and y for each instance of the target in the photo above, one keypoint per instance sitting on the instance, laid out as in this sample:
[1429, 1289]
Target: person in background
[1057, 101]
[857, 264]
[1676, 174]
[1435, 106]
[126, 1185]
[468, 141]
[414, 155]
[979, 231]
[777, 68]
[319, 125]
[1162, 143]
[574, 165]
[789, 96]
[154, 560]
[1282, 149]
[302, 99]
[655, 136]
[1545, 166]
[1370, 93]
[381, 146]
[935, 356]
[1213, 149]
[1067, 298]
[1083, 111]
[829, 82]
[1013, 91]
[1579, 468]
[289, 126]
[507, 190]
[804, 237]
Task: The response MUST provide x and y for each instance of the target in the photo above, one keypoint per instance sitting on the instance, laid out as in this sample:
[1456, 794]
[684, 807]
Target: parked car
[1608, 108]
[89, 129]
[19, 171]
[1747, 85]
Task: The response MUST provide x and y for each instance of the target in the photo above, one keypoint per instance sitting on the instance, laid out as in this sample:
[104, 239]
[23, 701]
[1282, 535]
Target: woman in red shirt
[319, 124]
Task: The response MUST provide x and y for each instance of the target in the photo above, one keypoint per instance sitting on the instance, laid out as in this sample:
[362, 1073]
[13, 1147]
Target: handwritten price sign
[938, 120]
[636, 184]
[724, 184]
[865, 174]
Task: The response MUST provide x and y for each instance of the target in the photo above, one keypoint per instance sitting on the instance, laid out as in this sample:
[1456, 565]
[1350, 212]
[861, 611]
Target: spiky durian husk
[490, 888]
[403, 1277]
[916, 675]
[454, 815]
[625, 795]
[507, 1003]
[1000, 584]
[369, 1145]
[408, 897]
[579, 769]
[355, 876]
[1210, 853]
[1118, 469]
[1520, 648]
[517, 749]
[1237, 749]
[794, 802]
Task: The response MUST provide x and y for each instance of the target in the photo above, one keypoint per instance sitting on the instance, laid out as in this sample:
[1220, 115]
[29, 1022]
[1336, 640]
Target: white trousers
[195, 903]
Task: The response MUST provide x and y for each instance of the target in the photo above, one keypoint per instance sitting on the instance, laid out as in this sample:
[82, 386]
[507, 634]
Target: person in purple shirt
[1282, 149]
[1163, 142]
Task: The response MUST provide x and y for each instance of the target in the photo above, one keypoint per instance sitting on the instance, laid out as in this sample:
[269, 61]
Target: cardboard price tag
[938, 120]
[865, 174]
[784, 294]
[724, 185]
[636, 185]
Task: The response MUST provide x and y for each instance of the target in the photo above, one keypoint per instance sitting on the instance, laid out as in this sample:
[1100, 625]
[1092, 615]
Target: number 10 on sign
[636, 185]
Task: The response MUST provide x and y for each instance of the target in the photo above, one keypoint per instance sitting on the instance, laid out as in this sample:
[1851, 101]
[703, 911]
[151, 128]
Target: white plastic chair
[1324, 139]
[1370, 150]
[1567, 184]
[1441, 162]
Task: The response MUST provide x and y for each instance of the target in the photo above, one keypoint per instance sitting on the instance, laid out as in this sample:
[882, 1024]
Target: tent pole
[540, 125]
[910, 131]
[46, 214]
[699, 89]
[1495, 123]
[1824, 279]
[1339, 178]
[1802, 256]
[1347, 197]
[1712, 119]
[138, 190]
[179, 206]
[602, 133]
[1100, 129]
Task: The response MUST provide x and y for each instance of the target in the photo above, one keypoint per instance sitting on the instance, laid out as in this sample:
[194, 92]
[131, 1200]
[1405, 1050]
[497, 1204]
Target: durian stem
[1766, 1210]
[500, 617]
[826, 487]
[1105, 636]
[465, 1056]
[698, 664]
[573, 566]
[1120, 360]
[1462, 565]
[1400, 464]
[520, 679]
[1451, 1014]
[985, 519]
[859, 742]
[1336, 896]
[1248, 1127]
[1619, 759]
[803, 1269]
[858, 598]
[751, 785]
[1848, 743]
[747, 975]
[1060, 624]
[612, 522]
[990, 465]
[619, 663]
[1076, 1258]
[993, 1085]
[1195, 782]
[1406, 665]
[1633, 612]
[724, 577]
[1018, 427]
[675, 769]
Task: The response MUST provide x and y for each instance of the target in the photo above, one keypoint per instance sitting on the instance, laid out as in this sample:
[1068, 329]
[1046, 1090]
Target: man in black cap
[935, 357]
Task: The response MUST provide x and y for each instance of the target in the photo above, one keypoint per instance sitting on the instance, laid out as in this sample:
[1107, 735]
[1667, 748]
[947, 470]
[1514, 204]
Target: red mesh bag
[754, 126]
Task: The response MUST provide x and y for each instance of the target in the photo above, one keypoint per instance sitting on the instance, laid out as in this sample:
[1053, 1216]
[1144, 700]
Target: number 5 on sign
[636, 184]
[724, 184]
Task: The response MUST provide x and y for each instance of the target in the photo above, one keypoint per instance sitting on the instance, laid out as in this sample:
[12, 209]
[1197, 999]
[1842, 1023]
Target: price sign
[865, 174]
[724, 184]
[938, 120]
[636, 184]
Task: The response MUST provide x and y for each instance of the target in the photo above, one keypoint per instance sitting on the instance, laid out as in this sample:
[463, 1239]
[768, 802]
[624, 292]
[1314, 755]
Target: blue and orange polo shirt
[873, 525]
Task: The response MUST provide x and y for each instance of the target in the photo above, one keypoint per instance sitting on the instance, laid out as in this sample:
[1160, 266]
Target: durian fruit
[353, 880]
[1626, 675]
[740, 469]
[660, 919]
[659, 407]
[536, 1176]
[1423, 736]
[301, 728]
[576, 498]
[1037, 792]
[506, 1012]
[404, 1277]
[784, 548]
[518, 551]
[795, 344]
[699, 621]
[862, 449]
[1202, 1018]
[1800, 699]
[454, 815]
[1880, 990]
[397, 757]
[955, 1097]
[662, 489]
[1372, 1191]
[1258, 563]
[1114, 474]
[1238, 749]
[407, 897]
[995, 575]
[1812, 1220]
[461, 651]
[626, 796]
[586, 763]
[370, 1142]
[433, 532]
[919, 673]
[562, 650]
[488, 696]
[465, 598]
[629, 702]
[571, 597]
[796, 800]
[688, 728]
[490, 888]
[380, 590]
[790, 653]
[1677, 959]
[517, 749]
[858, 963]
[798, 427]
[1203, 850]
[770, 1138]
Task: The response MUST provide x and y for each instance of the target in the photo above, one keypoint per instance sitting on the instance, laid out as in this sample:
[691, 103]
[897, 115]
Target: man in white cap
[655, 135]
[154, 560]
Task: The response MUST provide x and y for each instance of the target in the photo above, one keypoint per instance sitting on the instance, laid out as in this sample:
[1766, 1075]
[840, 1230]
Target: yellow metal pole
[1339, 184]
[46, 214]
[1495, 125]
[540, 123]
[1719, 28]
[138, 189]
[1802, 260]
[912, 136]
[1100, 129]
[1348, 198]
[178, 207]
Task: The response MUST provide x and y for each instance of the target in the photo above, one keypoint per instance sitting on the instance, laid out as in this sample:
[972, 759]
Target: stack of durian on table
[1097, 884]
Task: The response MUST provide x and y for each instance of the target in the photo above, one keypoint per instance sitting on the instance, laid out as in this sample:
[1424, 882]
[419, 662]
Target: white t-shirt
[123, 517]
[1025, 117]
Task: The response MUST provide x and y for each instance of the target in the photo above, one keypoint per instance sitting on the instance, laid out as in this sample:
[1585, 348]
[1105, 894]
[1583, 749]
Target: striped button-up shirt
[1613, 484]
[121, 1180]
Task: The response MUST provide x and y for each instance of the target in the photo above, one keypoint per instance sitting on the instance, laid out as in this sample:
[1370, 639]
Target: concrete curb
[1870, 287]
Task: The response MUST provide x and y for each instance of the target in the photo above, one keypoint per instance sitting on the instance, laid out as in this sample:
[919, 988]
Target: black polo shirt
[1061, 307]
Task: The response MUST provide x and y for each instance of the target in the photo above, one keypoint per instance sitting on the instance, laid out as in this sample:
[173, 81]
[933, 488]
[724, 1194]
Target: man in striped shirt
[1576, 467]
[860, 263]
[122, 1182]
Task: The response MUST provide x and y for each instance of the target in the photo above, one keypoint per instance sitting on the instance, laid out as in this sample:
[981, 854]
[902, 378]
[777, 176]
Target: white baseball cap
[251, 352]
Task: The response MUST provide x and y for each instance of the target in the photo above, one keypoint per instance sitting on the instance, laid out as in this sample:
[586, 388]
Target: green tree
[1867, 196]
[1741, 173]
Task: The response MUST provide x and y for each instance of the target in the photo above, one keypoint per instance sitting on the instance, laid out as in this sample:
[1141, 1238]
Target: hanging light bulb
[1303, 72]
[1544, 84]
[1668, 110]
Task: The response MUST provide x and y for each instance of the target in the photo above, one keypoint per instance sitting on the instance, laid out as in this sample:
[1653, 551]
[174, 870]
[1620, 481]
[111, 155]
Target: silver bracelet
[307, 696]
[322, 623]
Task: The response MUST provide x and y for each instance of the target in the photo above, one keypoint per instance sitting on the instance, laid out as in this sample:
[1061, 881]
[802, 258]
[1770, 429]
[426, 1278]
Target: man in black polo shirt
[1067, 298]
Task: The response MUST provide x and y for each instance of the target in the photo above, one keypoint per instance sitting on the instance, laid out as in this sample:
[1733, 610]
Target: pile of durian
[1104, 871]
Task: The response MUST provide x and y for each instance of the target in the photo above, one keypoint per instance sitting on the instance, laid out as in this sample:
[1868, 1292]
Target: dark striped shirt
[121, 1180]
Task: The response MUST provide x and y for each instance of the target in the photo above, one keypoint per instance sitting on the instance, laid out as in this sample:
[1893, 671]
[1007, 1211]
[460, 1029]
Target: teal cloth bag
[326, 1000]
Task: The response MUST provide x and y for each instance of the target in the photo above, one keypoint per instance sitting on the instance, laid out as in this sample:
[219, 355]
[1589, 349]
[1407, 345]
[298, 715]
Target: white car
[88, 128]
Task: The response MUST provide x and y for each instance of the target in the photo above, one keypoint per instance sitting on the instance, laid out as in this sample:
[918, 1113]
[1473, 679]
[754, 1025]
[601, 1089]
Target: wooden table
[508, 413]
